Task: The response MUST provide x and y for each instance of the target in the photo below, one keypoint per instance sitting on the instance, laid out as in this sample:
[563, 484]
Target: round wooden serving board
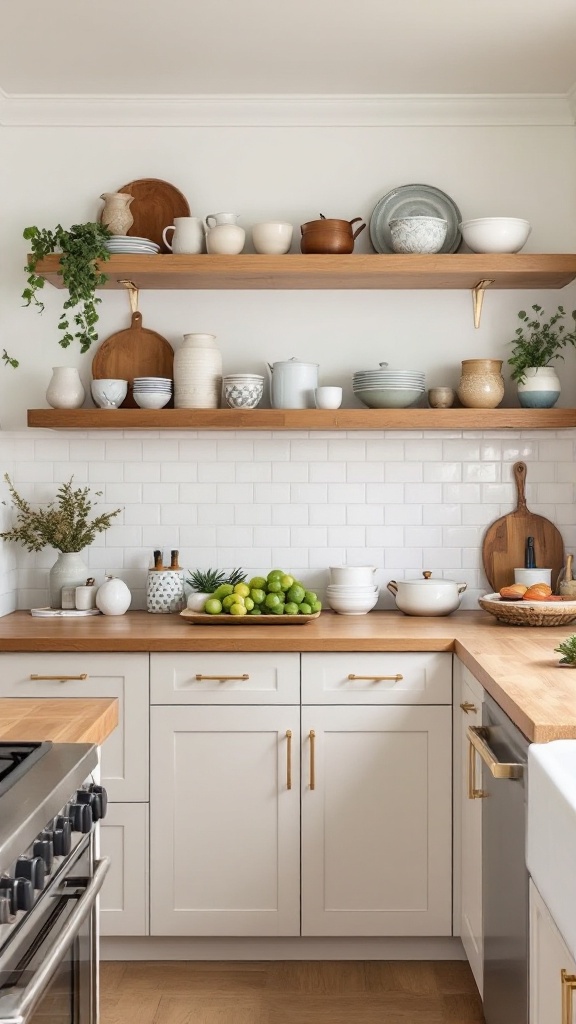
[155, 205]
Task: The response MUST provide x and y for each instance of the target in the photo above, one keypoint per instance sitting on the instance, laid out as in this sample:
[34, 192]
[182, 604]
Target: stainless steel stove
[49, 882]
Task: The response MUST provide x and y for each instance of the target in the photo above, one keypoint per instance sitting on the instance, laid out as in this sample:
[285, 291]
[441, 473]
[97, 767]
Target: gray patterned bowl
[418, 234]
[243, 391]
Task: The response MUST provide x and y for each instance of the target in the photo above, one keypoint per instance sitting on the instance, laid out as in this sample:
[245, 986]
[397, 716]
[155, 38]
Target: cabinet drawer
[124, 676]
[384, 678]
[198, 678]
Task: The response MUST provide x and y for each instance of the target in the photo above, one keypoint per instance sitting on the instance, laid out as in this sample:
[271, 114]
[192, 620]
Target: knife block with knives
[165, 586]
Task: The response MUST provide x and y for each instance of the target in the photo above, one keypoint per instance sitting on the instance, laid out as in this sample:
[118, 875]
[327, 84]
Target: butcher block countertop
[517, 666]
[60, 719]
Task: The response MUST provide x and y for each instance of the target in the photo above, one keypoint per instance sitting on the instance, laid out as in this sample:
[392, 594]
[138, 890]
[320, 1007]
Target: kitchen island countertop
[60, 719]
[517, 666]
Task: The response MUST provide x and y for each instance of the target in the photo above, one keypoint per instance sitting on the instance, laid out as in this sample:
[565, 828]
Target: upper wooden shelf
[302, 419]
[459, 270]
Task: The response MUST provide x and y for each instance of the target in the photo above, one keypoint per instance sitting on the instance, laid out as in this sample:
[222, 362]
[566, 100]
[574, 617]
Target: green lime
[291, 608]
[272, 601]
[316, 607]
[275, 574]
[223, 591]
[274, 586]
[258, 595]
[248, 604]
[242, 589]
[228, 601]
[305, 609]
[257, 583]
[238, 609]
[278, 609]
[296, 593]
[212, 606]
[255, 611]
[310, 597]
[286, 581]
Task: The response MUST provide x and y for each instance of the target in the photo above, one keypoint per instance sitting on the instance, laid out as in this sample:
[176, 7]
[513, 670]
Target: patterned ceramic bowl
[418, 234]
[243, 393]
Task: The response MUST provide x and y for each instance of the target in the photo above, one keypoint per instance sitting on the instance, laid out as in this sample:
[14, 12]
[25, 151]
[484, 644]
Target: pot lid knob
[426, 575]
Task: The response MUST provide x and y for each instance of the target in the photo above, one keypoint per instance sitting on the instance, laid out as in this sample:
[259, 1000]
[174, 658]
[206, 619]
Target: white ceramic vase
[197, 600]
[540, 389]
[197, 373]
[69, 570]
[113, 597]
[65, 390]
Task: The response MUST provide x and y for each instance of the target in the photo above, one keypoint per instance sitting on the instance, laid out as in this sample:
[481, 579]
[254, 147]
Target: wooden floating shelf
[302, 419]
[293, 271]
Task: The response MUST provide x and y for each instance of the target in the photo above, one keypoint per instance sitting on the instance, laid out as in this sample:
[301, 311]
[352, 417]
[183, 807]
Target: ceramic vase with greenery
[537, 344]
[63, 524]
[82, 248]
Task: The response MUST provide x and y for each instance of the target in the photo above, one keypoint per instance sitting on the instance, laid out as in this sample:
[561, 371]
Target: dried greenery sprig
[63, 523]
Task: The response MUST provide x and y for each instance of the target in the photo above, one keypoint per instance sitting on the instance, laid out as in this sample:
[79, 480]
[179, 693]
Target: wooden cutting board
[135, 352]
[504, 544]
[155, 205]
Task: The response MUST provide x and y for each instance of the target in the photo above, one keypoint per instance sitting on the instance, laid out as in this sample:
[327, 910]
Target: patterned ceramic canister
[165, 591]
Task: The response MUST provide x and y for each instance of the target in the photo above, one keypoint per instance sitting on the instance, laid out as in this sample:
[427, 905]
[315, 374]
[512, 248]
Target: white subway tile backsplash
[290, 472]
[308, 536]
[463, 493]
[216, 515]
[385, 451]
[422, 494]
[216, 472]
[364, 472]
[273, 537]
[272, 451]
[404, 558]
[123, 451]
[202, 494]
[272, 494]
[77, 470]
[347, 450]
[291, 514]
[384, 494]
[190, 536]
[235, 451]
[244, 515]
[556, 451]
[480, 472]
[347, 536]
[385, 537]
[442, 558]
[311, 494]
[238, 536]
[328, 472]
[308, 451]
[178, 472]
[346, 493]
[403, 515]
[199, 450]
[253, 472]
[480, 515]
[442, 472]
[178, 514]
[235, 493]
[362, 515]
[443, 514]
[461, 536]
[328, 515]
[141, 472]
[403, 472]
[423, 536]
[142, 515]
[424, 450]
[53, 450]
[160, 450]
[161, 493]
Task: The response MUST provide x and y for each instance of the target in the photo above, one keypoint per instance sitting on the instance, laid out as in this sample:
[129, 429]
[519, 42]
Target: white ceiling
[196, 47]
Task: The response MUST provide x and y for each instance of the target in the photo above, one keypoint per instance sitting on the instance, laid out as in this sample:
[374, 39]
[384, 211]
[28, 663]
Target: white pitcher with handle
[223, 234]
[293, 384]
[188, 235]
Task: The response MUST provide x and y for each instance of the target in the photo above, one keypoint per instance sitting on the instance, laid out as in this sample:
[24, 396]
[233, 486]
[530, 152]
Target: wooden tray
[203, 619]
[155, 205]
[529, 613]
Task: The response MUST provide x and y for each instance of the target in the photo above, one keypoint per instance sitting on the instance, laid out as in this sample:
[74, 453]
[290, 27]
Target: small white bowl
[418, 234]
[353, 575]
[109, 393]
[495, 234]
[151, 399]
[273, 238]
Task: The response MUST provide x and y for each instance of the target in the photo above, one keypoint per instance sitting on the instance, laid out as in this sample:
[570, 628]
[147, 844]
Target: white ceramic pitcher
[188, 235]
[223, 234]
[293, 384]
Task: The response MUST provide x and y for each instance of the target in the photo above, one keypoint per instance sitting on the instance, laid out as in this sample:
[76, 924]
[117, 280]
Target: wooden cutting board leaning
[504, 543]
[135, 352]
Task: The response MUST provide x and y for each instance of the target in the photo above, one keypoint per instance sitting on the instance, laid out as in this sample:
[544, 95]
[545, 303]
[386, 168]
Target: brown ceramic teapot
[329, 235]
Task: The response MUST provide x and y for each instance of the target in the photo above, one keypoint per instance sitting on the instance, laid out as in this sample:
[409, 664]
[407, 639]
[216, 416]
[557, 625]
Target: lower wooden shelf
[302, 419]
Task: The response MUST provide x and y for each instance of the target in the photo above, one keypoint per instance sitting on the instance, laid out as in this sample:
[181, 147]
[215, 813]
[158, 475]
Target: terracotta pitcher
[116, 214]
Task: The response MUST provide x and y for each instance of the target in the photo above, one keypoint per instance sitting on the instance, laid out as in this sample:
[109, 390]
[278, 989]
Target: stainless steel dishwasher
[504, 753]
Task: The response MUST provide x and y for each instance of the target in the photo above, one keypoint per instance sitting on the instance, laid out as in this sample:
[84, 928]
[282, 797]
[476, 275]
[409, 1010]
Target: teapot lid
[294, 361]
[428, 579]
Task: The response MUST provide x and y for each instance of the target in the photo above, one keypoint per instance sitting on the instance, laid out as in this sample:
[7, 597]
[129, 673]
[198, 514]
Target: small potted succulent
[203, 583]
[568, 651]
[537, 343]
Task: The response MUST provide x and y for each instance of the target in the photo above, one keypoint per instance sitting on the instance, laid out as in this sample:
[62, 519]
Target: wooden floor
[287, 992]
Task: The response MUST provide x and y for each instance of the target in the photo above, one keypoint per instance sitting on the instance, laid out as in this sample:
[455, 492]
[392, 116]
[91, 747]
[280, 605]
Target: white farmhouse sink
[551, 838]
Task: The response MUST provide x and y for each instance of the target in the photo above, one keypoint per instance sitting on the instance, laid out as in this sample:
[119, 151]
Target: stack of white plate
[134, 245]
[152, 392]
[389, 389]
[351, 600]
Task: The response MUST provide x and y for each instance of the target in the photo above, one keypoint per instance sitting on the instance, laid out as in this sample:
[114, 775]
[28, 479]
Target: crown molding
[244, 110]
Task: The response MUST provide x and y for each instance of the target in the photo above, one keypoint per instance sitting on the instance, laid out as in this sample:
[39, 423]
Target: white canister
[294, 384]
[197, 373]
[530, 576]
[165, 591]
[85, 596]
[113, 597]
[65, 390]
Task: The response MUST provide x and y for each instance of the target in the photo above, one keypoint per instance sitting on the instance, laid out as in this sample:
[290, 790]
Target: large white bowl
[495, 234]
[389, 398]
[352, 606]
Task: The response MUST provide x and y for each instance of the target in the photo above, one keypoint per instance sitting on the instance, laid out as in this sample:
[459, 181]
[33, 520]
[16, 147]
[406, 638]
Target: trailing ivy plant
[539, 341]
[82, 248]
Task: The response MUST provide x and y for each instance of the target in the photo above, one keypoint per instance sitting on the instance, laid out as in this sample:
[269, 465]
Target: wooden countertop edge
[60, 719]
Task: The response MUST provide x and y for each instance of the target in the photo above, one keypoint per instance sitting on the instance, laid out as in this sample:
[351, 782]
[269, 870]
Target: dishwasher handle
[478, 736]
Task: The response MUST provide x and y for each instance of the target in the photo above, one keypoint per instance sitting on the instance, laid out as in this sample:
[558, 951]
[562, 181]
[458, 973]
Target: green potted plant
[538, 342]
[568, 651]
[82, 249]
[203, 583]
[63, 524]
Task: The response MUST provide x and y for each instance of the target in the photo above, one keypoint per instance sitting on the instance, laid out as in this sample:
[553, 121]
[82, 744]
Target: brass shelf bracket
[478, 299]
[132, 294]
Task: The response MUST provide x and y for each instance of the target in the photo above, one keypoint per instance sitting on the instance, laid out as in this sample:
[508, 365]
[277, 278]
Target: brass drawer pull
[289, 759]
[377, 679]
[498, 769]
[312, 760]
[473, 792]
[568, 986]
[59, 679]
[467, 706]
[221, 679]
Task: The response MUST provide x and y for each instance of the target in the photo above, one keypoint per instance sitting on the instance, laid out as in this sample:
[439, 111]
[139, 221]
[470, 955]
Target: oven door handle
[15, 1009]
[478, 735]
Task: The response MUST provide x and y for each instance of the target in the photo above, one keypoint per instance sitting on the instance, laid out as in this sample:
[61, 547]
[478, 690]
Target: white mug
[328, 397]
[188, 235]
[531, 576]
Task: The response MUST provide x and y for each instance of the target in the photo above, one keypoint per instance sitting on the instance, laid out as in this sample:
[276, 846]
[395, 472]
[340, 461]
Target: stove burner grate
[16, 759]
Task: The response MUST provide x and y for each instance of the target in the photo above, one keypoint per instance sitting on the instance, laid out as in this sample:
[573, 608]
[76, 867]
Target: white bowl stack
[389, 389]
[351, 590]
[152, 392]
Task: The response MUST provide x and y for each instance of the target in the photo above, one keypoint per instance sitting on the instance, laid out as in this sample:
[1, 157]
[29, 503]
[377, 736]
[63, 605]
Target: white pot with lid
[293, 384]
[427, 596]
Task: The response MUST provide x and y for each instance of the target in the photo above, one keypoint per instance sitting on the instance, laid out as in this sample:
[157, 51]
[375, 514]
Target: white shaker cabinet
[552, 969]
[468, 697]
[225, 817]
[124, 760]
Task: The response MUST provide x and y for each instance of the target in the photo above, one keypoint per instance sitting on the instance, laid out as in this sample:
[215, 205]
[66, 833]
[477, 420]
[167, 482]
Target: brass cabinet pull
[289, 759]
[473, 792]
[467, 706]
[568, 986]
[60, 679]
[221, 679]
[378, 679]
[312, 764]
[498, 769]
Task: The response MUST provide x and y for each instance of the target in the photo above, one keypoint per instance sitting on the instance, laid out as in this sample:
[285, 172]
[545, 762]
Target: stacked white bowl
[352, 590]
[243, 390]
[197, 373]
[389, 389]
[152, 392]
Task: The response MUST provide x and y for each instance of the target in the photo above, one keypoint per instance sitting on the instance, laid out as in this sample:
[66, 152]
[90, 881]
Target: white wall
[50, 175]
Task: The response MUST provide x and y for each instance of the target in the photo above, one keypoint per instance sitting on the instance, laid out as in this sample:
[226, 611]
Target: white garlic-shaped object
[113, 597]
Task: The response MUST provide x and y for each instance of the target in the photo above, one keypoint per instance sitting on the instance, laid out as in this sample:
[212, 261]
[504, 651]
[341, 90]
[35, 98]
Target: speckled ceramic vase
[481, 384]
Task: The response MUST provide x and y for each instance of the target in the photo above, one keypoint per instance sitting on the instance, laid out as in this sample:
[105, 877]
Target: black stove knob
[103, 795]
[81, 815]
[62, 835]
[8, 891]
[92, 800]
[19, 892]
[44, 848]
[4, 909]
[32, 868]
